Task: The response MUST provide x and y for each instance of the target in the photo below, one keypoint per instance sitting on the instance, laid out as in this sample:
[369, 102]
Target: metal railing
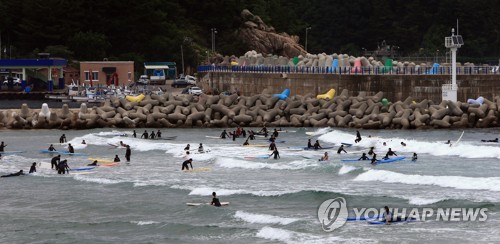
[472, 70]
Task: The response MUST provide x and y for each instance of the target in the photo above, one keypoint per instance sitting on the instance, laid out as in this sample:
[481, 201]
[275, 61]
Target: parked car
[195, 90]
[143, 79]
[181, 83]
[16, 81]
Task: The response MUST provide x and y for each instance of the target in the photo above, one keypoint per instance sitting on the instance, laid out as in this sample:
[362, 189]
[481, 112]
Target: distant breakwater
[169, 111]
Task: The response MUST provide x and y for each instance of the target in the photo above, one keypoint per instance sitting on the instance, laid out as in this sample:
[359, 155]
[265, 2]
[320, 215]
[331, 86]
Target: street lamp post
[307, 30]
[186, 40]
[214, 32]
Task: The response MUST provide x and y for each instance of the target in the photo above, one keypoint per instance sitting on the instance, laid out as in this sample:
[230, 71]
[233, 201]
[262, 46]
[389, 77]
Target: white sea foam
[288, 236]
[458, 182]
[207, 191]
[263, 218]
[144, 222]
[424, 201]
[247, 164]
[96, 180]
[346, 169]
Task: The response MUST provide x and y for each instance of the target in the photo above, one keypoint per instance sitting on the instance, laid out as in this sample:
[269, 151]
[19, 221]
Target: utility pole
[307, 30]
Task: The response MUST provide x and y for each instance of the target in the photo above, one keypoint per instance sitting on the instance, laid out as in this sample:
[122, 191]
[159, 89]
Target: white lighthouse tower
[453, 42]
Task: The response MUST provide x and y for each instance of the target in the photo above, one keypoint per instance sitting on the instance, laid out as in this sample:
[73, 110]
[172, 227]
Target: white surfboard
[460, 138]
[200, 204]
[202, 169]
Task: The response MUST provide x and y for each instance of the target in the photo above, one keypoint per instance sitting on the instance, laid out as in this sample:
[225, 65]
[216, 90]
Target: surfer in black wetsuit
[33, 168]
[341, 149]
[391, 152]
[495, 140]
[316, 145]
[145, 135]
[371, 151]
[128, 152]
[264, 130]
[215, 200]
[14, 174]
[275, 133]
[252, 135]
[185, 164]
[152, 136]
[309, 145]
[272, 146]
[200, 148]
[272, 138]
[187, 147]
[448, 142]
[63, 167]
[374, 159]
[403, 144]
[93, 163]
[243, 133]
[134, 134]
[358, 137]
[2, 147]
[275, 153]
[234, 135]
[246, 143]
[83, 142]
[363, 157]
[224, 135]
[117, 159]
[62, 139]
[158, 134]
[71, 149]
[54, 162]
[414, 158]
[51, 148]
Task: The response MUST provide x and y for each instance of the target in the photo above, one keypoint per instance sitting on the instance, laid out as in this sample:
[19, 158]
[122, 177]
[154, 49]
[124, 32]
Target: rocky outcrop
[264, 39]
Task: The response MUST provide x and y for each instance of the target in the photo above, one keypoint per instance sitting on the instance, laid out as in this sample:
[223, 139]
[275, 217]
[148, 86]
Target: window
[95, 75]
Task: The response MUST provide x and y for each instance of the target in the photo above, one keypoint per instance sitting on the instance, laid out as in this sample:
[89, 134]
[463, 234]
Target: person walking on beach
[185, 164]
[54, 162]
[215, 200]
[128, 152]
[358, 137]
[145, 135]
[275, 153]
[2, 147]
[33, 168]
[341, 149]
[62, 139]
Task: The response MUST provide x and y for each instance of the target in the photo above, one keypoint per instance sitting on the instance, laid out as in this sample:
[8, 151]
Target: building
[158, 72]
[106, 72]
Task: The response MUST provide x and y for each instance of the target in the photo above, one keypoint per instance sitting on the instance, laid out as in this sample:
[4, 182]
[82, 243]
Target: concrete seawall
[395, 87]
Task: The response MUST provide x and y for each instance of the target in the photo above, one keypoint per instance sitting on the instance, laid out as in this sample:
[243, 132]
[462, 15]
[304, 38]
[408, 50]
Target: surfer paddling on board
[390, 153]
[215, 200]
[341, 149]
[495, 140]
[448, 142]
[14, 174]
[51, 148]
[71, 149]
[364, 157]
[358, 137]
[185, 164]
[93, 163]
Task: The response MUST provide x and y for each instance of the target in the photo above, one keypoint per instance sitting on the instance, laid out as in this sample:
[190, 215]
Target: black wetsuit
[371, 151]
[374, 159]
[215, 202]
[358, 137]
[54, 163]
[152, 136]
[92, 164]
[275, 134]
[2, 147]
[364, 157]
[62, 139]
[341, 149]
[317, 146]
[223, 135]
[158, 134]
[391, 153]
[272, 146]
[32, 169]
[309, 145]
[71, 149]
[251, 136]
[185, 165]
[63, 167]
[496, 140]
[117, 159]
[145, 135]
[243, 133]
[134, 135]
[276, 154]
[51, 148]
[128, 152]
[15, 174]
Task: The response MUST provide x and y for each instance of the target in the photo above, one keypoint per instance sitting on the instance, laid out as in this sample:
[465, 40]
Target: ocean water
[270, 200]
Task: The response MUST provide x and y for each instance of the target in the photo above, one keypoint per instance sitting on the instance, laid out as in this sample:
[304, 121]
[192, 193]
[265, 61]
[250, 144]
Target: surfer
[264, 130]
[246, 143]
[341, 149]
[83, 142]
[316, 145]
[387, 216]
[272, 146]
[134, 134]
[158, 134]
[275, 153]
[71, 149]
[63, 167]
[224, 134]
[54, 162]
[215, 200]
[384, 144]
[364, 157]
[275, 133]
[309, 144]
[448, 142]
[325, 157]
[2, 147]
[128, 152]
[200, 148]
[93, 163]
[403, 144]
[272, 138]
[243, 133]
[116, 159]
[358, 137]
[185, 164]
[62, 139]
[14, 174]
[33, 168]
[371, 151]
[414, 158]
[51, 148]
[374, 159]
[187, 147]
[495, 140]
[152, 136]
[391, 152]
[252, 135]
[145, 135]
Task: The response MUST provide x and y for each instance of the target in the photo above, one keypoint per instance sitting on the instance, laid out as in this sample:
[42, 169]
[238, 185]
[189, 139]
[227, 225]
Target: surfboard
[285, 131]
[390, 160]
[195, 170]
[260, 156]
[346, 144]
[312, 148]
[101, 160]
[215, 137]
[460, 138]
[44, 165]
[11, 152]
[64, 152]
[353, 160]
[200, 204]
[82, 172]
[166, 138]
[256, 145]
[361, 218]
[83, 168]
[109, 164]
[398, 221]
